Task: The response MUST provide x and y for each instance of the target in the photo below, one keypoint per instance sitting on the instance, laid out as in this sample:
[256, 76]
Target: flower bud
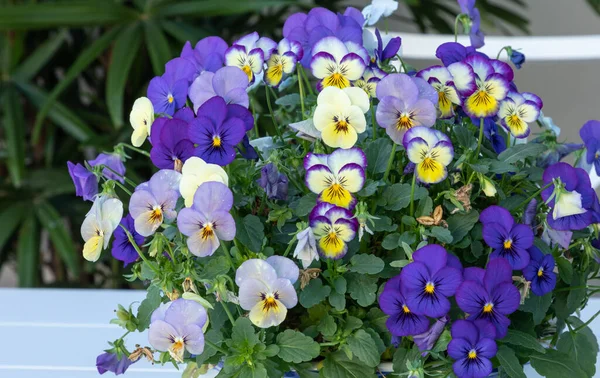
[487, 186]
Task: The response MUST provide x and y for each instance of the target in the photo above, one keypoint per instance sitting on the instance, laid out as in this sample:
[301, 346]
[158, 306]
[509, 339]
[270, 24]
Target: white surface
[54, 333]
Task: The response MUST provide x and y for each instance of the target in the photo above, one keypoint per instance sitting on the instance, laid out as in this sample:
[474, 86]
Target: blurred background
[70, 71]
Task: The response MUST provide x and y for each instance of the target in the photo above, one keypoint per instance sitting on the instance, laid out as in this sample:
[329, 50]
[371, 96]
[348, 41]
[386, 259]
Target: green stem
[301, 89]
[507, 139]
[229, 315]
[138, 250]
[532, 196]
[289, 247]
[412, 194]
[227, 254]
[456, 21]
[402, 63]
[275, 125]
[480, 140]
[253, 117]
[373, 120]
[306, 81]
[500, 52]
[138, 150]
[214, 346]
[331, 343]
[390, 161]
[122, 187]
[588, 322]
[130, 182]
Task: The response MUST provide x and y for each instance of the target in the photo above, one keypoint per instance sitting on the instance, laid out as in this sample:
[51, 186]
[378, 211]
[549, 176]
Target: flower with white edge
[306, 249]
[283, 61]
[99, 224]
[336, 63]
[377, 9]
[249, 53]
[141, 118]
[340, 115]
[266, 289]
[517, 111]
[194, 173]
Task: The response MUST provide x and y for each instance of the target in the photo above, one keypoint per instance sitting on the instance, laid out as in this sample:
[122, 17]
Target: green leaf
[522, 339]
[391, 241]
[305, 205]
[464, 137]
[147, 307]
[250, 232]
[581, 349]
[47, 15]
[14, 135]
[440, 233]
[538, 306]
[314, 293]
[61, 240]
[10, 218]
[362, 288]
[28, 252]
[84, 59]
[327, 326]
[216, 338]
[510, 363]
[210, 8]
[123, 53]
[337, 300]
[402, 356]
[377, 339]
[340, 285]
[366, 264]
[292, 99]
[183, 31]
[520, 152]
[296, 347]
[442, 342]
[216, 266]
[243, 336]
[565, 270]
[35, 61]
[378, 153]
[364, 348]
[555, 364]
[397, 196]
[59, 114]
[459, 224]
[337, 365]
[158, 46]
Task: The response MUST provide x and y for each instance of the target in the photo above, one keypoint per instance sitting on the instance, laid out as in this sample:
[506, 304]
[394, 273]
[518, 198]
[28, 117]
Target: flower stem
[456, 21]
[130, 182]
[300, 88]
[138, 250]
[588, 322]
[412, 194]
[138, 150]
[390, 161]
[533, 196]
[214, 346]
[275, 125]
[373, 120]
[306, 81]
[289, 247]
[229, 315]
[122, 187]
[480, 140]
[256, 135]
[507, 139]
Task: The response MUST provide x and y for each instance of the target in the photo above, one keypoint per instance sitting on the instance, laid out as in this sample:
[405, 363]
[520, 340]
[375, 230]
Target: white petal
[569, 203]
[333, 96]
[270, 318]
[256, 269]
[358, 97]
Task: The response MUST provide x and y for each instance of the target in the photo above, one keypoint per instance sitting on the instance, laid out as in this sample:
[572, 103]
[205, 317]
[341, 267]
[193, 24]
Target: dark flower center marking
[269, 301]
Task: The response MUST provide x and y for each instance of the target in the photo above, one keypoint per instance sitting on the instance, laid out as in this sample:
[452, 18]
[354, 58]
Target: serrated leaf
[464, 137]
[338, 365]
[520, 152]
[362, 288]
[327, 326]
[337, 300]
[314, 293]
[565, 270]
[523, 339]
[391, 241]
[147, 307]
[296, 347]
[555, 364]
[305, 205]
[537, 306]
[397, 197]
[580, 349]
[459, 225]
[364, 348]
[366, 264]
[288, 100]
[440, 233]
[243, 336]
[509, 362]
[250, 232]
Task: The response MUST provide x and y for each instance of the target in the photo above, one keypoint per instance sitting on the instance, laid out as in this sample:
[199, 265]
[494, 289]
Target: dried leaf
[426, 220]
[308, 274]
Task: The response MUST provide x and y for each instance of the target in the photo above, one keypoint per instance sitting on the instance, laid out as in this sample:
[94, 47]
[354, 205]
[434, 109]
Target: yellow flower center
[336, 80]
[405, 309]
[248, 71]
[331, 244]
[216, 141]
[337, 195]
[472, 354]
[429, 288]
[540, 272]
[488, 307]
[508, 244]
[481, 103]
[404, 122]
[207, 231]
[156, 216]
[341, 126]
[269, 302]
[170, 98]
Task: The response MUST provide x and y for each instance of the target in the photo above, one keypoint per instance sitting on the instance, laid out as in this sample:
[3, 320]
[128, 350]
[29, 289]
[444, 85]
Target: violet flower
[110, 361]
[155, 203]
[228, 82]
[207, 55]
[490, 130]
[517, 58]
[274, 183]
[402, 320]
[428, 281]
[554, 152]
[590, 135]
[426, 340]
[122, 249]
[306, 249]
[472, 346]
[171, 146]
[452, 52]
[177, 326]
[489, 294]
[112, 161]
[249, 54]
[509, 240]
[334, 227]
[208, 221]
[169, 91]
[475, 34]
[86, 183]
[308, 29]
[540, 272]
[389, 51]
[283, 61]
[217, 129]
[336, 63]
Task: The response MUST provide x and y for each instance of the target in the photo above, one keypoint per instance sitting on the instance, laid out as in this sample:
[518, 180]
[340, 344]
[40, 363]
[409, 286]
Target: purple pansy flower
[217, 129]
[208, 221]
[249, 53]
[517, 111]
[554, 152]
[489, 294]
[431, 150]
[442, 80]
[122, 249]
[403, 106]
[426, 340]
[336, 63]
[283, 61]
[490, 130]
[509, 240]
[334, 227]
[207, 55]
[402, 320]
[452, 52]
[110, 361]
[169, 91]
[540, 272]
[274, 183]
[570, 196]
[517, 58]
[428, 281]
[228, 82]
[86, 183]
[472, 347]
[590, 135]
[491, 85]
[112, 161]
[308, 29]
[171, 146]
[389, 51]
[475, 34]
[177, 326]
[155, 202]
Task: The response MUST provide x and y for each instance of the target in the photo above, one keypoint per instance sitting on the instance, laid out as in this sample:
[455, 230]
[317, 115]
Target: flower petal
[322, 65]
[285, 268]
[160, 334]
[351, 177]
[331, 45]
[256, 269]
[319, 178]
[352, 66]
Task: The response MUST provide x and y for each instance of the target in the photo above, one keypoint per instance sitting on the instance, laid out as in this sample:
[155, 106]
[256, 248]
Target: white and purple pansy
[266, 289]
[334, 227]
[517, 111]
[491, 88]
[370, 78]
[431, 151]
[227, 82]
[282, 61]
[249, 53]
[405, 102]
[337, 63]
[441, 79]
[335, 177]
